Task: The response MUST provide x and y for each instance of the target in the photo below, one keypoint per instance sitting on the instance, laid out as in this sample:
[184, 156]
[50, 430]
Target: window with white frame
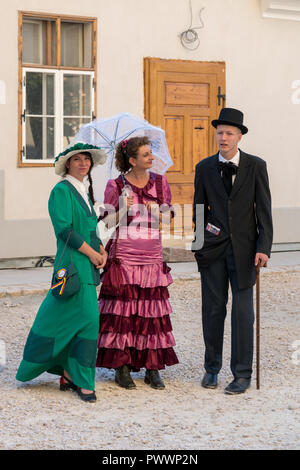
[57, 84]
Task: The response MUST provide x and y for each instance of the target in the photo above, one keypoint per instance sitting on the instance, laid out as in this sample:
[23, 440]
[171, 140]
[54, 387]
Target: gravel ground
[184, 416]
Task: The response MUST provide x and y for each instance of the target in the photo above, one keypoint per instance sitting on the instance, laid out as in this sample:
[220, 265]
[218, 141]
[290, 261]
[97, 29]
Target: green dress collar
[90, 212]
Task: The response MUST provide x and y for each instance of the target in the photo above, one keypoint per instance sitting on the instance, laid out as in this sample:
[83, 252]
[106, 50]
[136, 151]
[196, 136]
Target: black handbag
[65, 281]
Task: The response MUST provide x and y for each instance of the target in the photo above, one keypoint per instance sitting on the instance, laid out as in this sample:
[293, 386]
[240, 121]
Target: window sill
[39, 164]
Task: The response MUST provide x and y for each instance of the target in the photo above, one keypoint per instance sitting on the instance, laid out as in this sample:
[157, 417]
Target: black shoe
[123, 378]
[153, 379]
[209, 380]
[88, 397]
[66, 384]
[238, 386]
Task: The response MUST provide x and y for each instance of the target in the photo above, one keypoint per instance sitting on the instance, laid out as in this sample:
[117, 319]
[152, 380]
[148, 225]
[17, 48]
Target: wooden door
[182, 98]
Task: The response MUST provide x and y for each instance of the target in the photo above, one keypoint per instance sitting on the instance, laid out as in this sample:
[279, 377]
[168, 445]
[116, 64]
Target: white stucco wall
[262, 63]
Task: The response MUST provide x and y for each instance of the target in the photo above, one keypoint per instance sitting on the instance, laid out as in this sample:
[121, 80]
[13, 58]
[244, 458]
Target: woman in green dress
[63, 337]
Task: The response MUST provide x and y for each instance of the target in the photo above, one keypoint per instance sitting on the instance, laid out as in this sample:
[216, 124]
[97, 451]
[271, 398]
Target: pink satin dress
[135, 326]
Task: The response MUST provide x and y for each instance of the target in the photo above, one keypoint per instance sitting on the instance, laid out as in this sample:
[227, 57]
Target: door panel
[174, 135]
[186, 94]
[200, 138]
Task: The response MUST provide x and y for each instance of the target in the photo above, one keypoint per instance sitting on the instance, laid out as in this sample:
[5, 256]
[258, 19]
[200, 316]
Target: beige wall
[262, 62]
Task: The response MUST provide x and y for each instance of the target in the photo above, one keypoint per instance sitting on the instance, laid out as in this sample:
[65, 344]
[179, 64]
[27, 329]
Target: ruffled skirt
[135, 325]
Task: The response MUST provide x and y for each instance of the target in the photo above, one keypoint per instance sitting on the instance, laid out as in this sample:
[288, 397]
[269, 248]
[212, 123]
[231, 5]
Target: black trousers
[215, 283]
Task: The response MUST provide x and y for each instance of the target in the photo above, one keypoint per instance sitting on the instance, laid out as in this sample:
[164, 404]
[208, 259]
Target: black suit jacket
[244, 217]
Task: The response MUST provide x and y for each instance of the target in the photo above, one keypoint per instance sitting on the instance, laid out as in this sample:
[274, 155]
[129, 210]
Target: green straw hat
[98, 156]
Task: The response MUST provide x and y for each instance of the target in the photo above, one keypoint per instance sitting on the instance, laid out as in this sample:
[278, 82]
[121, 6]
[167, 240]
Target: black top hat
[231, 117]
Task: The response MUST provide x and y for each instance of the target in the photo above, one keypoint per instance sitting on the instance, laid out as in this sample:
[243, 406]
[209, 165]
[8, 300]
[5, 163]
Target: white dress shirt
[235, 160]
[81, 188]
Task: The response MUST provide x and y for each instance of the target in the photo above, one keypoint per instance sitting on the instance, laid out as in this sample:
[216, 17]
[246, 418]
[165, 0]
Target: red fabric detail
[140, 191]
[154, 359]
[120, 184]
[134, 292]
[117, 273]
[166, 268]
[107, 248]
[135, 324]
[113, 276]
[142, 308]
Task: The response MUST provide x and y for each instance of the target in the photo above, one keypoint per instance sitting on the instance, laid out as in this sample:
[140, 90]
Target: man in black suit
[233, 188]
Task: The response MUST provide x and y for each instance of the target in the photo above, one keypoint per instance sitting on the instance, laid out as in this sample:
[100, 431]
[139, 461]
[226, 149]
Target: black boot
[238, 386]
[153, 379]
[209, 380]
[123, 377]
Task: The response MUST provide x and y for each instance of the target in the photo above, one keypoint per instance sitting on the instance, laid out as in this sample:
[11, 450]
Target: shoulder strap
[66, 243]
[120, 181]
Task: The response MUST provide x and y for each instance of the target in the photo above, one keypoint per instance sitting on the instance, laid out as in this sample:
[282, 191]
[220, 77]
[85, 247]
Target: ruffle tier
[147, 275]
[139, 325]
[133, 340]
[155, 359]
[142, 308]
[143, 282]
[134, 292]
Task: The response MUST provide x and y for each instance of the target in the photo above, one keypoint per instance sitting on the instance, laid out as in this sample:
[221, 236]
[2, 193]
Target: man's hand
[261, 259]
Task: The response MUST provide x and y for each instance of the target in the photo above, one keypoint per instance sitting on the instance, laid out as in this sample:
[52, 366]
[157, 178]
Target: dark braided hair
[91, 189]
[126, 149]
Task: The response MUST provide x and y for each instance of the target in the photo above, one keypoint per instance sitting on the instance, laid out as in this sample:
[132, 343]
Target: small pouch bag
[65, 281]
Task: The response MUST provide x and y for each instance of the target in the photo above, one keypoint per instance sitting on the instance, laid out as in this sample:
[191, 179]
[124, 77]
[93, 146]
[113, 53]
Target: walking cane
[257, 326]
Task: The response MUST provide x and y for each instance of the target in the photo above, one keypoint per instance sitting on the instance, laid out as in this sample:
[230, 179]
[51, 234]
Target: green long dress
[65, 332]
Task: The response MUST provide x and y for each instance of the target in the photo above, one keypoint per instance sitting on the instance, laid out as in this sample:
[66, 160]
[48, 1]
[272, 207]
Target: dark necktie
[227, 170]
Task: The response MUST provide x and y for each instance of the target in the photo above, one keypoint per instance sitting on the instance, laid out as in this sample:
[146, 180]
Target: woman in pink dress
[135, 327]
